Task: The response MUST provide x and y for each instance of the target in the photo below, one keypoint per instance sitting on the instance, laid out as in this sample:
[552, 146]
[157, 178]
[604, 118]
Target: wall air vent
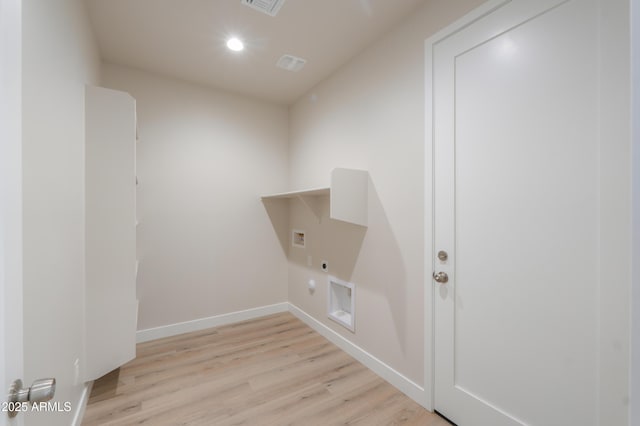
[270, 7]
[291, 63]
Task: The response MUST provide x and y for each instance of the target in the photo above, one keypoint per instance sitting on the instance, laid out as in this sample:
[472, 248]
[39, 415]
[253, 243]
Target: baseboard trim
[204, 323]
[81, 407]
[399, 381]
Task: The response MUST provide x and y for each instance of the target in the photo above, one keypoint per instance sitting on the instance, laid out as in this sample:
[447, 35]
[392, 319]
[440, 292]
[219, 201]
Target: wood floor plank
[273, 370]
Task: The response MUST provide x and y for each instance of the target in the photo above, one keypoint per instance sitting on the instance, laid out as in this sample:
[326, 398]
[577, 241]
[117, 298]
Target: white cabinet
[110, 230]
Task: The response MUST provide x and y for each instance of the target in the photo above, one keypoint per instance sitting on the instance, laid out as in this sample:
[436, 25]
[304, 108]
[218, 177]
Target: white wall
[370, 115]
[615, 231]
[205, 243]
[59, 57]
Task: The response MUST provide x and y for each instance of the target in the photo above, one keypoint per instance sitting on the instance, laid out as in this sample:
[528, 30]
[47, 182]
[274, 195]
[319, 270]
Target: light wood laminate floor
[273, 370]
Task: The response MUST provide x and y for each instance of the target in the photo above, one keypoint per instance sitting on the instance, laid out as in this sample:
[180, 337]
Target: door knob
[40, 391]
[441, 277]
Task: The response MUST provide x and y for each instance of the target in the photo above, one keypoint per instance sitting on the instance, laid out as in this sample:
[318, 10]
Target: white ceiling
[186, 39]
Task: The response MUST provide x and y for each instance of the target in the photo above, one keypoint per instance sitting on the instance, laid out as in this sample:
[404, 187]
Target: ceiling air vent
[291, 63]
[270, 7]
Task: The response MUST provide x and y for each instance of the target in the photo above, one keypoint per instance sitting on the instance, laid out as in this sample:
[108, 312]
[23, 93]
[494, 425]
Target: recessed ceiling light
[235, 44]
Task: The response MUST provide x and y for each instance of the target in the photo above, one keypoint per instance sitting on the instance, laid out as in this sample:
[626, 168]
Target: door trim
[635, 273]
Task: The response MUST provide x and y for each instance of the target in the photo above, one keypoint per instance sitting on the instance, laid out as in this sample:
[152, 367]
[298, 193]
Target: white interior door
[11, 361]
[515, 128]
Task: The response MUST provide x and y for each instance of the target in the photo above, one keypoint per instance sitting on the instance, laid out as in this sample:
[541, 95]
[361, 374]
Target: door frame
[11, 315]
[635, 301]
[615, 266]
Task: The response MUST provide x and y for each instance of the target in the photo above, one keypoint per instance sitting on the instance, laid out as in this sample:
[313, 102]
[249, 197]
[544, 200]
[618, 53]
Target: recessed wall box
[298, 238]
[342, 303]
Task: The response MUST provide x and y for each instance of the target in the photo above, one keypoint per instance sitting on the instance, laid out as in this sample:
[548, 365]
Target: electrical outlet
[324, 265]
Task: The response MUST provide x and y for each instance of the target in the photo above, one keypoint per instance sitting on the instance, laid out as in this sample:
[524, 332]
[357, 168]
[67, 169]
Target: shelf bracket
[313, 204]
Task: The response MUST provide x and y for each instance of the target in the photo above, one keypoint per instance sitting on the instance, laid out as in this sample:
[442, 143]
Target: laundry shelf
[348, 196]
[308, 197]
[315, 192]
